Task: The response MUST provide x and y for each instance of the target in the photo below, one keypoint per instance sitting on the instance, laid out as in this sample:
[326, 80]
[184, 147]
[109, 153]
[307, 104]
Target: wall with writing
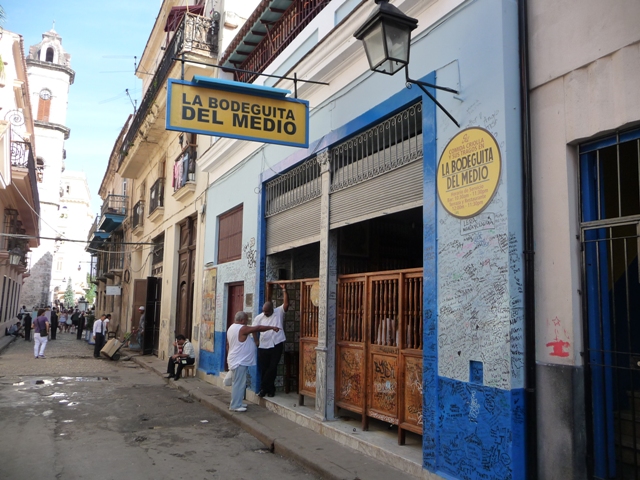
[473, 404]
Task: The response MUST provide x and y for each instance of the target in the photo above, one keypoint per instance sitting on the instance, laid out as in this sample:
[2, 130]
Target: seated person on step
[186, 356]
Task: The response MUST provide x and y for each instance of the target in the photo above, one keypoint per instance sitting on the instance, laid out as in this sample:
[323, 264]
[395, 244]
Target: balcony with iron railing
[156, 199]
[259, 42]
[195, 37]
[137, 216]
[23, 173]
[96, 236]
[116, 258]
[114, 211]
[184, 174]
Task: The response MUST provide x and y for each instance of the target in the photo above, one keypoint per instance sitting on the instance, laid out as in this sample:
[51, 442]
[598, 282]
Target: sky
[102, 38]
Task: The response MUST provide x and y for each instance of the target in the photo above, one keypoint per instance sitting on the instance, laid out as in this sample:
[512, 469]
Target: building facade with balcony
[50, 76]
[164, 187]
[19, 199]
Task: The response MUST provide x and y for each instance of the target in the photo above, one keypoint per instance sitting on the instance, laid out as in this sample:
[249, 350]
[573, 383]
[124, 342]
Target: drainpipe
[529, 291]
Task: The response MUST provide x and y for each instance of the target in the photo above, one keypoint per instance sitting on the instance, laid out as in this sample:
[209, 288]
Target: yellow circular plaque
[469, 172]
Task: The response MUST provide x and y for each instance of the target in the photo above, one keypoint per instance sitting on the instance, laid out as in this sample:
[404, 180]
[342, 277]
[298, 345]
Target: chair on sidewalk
[188, 371]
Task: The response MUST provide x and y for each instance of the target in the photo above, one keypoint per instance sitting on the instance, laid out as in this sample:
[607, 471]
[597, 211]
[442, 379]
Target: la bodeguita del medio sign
[469, 172]
[237, 110]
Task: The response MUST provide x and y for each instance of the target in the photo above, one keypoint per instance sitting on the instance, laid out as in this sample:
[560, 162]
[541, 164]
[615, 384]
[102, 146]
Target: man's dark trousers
[172, 365]
[54, 325]
[79, 328]
[99, 344]
[268, 359]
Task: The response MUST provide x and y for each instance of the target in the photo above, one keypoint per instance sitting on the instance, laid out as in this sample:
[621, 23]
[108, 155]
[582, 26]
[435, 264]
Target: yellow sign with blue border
[244, 111]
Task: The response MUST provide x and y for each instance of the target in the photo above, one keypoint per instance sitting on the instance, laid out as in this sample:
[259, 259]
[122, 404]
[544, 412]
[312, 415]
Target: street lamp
[15, 256]
[386, 35]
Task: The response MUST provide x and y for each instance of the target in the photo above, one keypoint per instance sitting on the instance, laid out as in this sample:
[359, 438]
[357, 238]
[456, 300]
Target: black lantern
[15, 256]
[387, 37]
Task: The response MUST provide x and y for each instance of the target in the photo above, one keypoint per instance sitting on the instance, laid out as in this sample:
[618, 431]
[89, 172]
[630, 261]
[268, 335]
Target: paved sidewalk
[67, 356]
[316, 452]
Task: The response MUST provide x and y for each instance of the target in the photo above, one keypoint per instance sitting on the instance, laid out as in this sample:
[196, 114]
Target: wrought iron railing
[116, 256]
[184, 170]
[195, 32]
[115, 205]
[392, 143]
[94, 228]
[138, 214]
[156, 195]
[22, 157]
[297, 186]
[278, 37]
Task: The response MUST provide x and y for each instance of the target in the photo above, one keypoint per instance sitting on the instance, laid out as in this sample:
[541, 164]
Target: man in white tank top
[241, 355]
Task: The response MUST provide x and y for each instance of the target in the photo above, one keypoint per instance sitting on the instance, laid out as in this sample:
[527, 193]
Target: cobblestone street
[64, 356]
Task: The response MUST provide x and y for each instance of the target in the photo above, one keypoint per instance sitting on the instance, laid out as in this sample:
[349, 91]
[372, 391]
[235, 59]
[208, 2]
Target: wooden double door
[186, 276]
[379, 347]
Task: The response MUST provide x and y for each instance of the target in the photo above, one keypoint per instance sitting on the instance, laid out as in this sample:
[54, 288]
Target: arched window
[49, 55]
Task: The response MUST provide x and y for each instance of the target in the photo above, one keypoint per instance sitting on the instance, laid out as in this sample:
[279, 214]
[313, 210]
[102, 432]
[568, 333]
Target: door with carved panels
[379, 347]
[185, 277]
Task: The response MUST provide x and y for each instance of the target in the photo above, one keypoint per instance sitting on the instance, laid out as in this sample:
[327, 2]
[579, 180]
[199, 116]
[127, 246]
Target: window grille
[295, 187]
[391, 144]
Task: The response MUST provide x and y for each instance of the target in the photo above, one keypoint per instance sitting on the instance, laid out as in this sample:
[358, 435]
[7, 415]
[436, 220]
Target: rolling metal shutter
[294, 227]
[397, 190]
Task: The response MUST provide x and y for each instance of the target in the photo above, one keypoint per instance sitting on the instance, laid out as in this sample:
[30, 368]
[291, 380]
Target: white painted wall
[585, 65]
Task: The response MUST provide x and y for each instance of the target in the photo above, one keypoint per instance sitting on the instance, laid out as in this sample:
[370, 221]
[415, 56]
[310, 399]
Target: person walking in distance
[41, 330]
[26, 318]
[80, 325]
[271, 343]
[53, 315]
[242, 355]
[98, 335]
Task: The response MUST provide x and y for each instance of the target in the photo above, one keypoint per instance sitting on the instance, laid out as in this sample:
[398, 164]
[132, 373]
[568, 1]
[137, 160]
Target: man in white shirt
[270, 343]
[186, 356]
[98, 335]
[241, 355]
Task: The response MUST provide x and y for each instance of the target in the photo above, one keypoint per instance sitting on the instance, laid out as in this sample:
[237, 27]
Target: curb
[284, 437]
[6, 341]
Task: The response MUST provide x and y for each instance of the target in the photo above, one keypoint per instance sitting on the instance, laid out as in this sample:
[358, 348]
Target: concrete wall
[584, 63]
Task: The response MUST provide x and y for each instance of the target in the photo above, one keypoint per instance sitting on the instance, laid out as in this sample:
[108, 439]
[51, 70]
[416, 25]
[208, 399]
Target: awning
[176, 14]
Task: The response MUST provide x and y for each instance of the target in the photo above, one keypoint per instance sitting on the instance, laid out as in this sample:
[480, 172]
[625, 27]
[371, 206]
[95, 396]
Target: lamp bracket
[422, 85]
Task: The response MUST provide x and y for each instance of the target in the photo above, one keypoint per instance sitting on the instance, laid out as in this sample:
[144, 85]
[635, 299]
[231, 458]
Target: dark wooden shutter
[230, 235]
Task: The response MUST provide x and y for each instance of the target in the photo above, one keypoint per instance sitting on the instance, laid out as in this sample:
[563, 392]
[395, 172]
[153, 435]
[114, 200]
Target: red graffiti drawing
[559, 345]
[558, 348]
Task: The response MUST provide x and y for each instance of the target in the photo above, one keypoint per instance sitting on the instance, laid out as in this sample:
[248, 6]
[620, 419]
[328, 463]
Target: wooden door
[235, 304]
[139, 300]
[379, 347]
[185, 277]
[152, 316]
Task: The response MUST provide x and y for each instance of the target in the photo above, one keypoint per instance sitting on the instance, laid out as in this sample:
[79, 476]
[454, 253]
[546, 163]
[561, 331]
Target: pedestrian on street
[98, 335]
[53, 315]
[41, 327]
[242, 355]
[106, 325]
[74, 320]
[140, 335]
[80, 325]
[271, 343]
[26, 318]
[186, 356]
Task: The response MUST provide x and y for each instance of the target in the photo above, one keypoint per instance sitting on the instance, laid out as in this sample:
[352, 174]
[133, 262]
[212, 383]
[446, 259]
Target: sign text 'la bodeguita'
[249, 115]
[469, 172]
[467, 169]
[225, 108]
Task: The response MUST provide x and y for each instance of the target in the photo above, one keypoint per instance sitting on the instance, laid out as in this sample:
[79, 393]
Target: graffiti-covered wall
[474, 408]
